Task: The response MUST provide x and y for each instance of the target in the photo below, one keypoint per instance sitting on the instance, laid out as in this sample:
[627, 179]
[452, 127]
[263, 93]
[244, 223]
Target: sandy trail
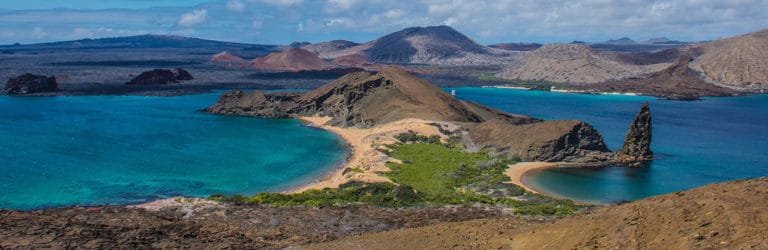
[366, 162]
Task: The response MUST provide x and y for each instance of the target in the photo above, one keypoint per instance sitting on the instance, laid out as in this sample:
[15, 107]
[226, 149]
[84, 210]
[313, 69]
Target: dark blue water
[695, 143]
[59, 151]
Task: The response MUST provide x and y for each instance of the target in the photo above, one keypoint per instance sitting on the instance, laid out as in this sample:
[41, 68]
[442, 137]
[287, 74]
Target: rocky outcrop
[29, 84]
[364, 100]
[256, 103]
[637, 143]
[161, 76]
[554, 141]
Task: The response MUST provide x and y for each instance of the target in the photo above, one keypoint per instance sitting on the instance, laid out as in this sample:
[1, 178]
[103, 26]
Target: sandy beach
[517, 171]
[366, 162]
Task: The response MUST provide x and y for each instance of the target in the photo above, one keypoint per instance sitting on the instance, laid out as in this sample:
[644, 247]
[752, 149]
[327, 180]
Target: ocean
[695, 142]
[116, 150]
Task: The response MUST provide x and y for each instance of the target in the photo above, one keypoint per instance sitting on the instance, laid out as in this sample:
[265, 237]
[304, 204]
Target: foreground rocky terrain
[205, 225]
[728, 215]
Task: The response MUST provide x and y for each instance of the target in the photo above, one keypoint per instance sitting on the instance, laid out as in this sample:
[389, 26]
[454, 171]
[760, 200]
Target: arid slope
[738, 61]
[574, 63]
[729, 215]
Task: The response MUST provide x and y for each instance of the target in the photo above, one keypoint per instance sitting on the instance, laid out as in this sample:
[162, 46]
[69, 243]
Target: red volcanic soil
[290, 60]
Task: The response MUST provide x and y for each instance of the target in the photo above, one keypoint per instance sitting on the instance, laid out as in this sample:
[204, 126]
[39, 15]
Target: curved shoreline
[519, 172]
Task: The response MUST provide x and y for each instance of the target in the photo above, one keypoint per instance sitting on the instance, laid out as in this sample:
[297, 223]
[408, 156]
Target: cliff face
[571, 141]
[363, 99]
[637, 143]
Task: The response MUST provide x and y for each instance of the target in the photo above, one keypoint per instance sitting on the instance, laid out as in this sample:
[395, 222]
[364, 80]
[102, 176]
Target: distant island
[657, 67]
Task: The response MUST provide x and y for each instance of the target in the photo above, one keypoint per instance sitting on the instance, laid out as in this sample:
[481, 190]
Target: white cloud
[192, 18]
[235, 5]
[489, 21]
[279, 2]
[257, 24]
[38, 32]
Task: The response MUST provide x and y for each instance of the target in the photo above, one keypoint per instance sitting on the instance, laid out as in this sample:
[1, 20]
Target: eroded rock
[161, 76]
[637, 143]
[29, 84]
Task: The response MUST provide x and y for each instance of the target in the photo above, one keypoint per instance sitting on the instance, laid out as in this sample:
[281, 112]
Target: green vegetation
[378, 194]
[412, 137]
[432, 173]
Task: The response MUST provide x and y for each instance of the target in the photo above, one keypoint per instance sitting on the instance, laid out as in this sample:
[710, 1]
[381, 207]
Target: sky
[286, 21]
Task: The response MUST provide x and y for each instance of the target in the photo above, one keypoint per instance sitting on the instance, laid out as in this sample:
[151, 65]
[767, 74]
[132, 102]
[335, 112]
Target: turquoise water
[97, 150]
[695, 143]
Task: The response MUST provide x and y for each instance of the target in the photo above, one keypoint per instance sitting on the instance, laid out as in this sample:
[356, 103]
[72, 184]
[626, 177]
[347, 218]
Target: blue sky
[284, 21]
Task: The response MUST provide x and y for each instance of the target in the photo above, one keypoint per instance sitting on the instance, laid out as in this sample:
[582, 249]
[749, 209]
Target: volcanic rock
[571, 140]
[637, 143]
[29, 83]
[161, 76]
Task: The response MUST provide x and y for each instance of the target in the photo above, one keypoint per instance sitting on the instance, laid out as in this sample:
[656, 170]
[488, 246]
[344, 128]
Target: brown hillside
[737, 61]
[729, 215]
[574, 63]
[678, 81]
[388, 96]
[290, 60]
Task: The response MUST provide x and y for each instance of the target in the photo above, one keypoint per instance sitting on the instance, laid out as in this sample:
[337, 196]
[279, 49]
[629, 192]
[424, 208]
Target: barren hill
[677, 82]
[574, 63]
[226, 57]
[727, 215]
[737, 61]
[366, 100]
[290, 60]
[428, 45]
[326, 49]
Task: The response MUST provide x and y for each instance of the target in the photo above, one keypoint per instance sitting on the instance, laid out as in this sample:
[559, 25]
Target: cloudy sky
[284, 21]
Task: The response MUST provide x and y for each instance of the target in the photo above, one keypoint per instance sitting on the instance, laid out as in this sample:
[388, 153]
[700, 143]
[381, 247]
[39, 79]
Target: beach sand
[517, 171]
[366, 159]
